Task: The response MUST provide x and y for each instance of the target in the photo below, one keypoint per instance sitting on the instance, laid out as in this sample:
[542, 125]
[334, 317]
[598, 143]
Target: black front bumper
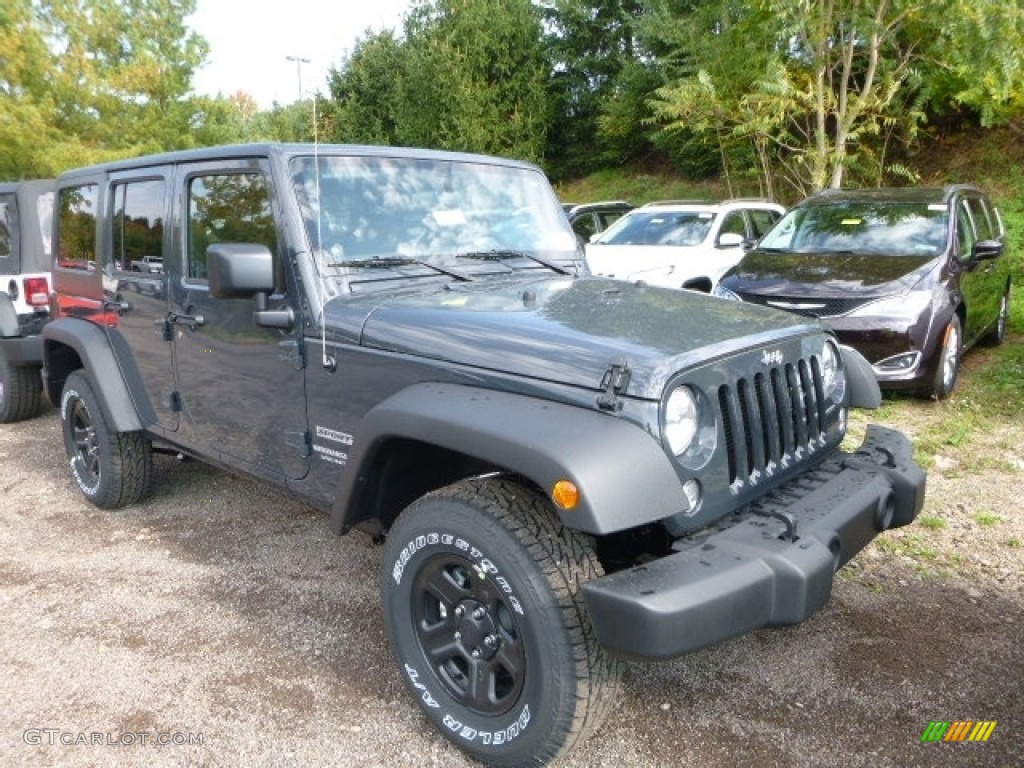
[769, 564]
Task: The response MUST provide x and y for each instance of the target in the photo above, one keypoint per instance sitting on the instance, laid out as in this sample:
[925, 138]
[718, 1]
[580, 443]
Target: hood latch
[614, 383]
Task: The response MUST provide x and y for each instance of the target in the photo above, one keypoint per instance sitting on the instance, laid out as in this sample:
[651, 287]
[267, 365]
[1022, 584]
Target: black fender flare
[8, 317]
[861, 379]
[625, 477]
[92, 347]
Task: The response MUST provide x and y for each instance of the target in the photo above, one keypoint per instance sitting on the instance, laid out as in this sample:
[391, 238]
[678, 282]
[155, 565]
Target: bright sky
[250, 40]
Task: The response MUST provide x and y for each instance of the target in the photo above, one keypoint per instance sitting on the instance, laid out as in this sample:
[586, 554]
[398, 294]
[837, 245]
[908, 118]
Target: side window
[734, 225]
[5, 228]
[76, 227]
[585, 226]
[982, 223]
[762, 221]
[138, 223]
[227, 208]
[964, 231]
[44, 211]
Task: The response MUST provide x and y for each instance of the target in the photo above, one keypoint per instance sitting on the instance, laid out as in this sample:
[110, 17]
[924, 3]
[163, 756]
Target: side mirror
[246, 270]
[986, 249]
[730, 240]
[239, 270]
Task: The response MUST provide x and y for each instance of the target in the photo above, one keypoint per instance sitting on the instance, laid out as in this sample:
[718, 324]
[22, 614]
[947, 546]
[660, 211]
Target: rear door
[241, 387]
[138, 209]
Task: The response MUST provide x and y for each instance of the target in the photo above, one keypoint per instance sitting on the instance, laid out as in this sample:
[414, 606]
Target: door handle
[192, 321]
[117, 305]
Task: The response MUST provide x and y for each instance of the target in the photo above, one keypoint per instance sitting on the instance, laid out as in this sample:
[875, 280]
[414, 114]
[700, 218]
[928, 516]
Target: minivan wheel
[948, 367]
[21, 391]
[482, 603]
[113, 469]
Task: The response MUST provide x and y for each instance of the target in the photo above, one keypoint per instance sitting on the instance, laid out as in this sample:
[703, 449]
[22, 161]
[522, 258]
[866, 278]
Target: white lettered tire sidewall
[77, 390]
[535, 724]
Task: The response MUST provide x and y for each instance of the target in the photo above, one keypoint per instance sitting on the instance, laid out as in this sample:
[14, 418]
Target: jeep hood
[562, 330]
[845, 275]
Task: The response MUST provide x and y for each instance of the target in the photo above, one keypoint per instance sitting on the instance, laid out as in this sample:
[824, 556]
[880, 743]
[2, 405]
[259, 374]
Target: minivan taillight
[37, 291]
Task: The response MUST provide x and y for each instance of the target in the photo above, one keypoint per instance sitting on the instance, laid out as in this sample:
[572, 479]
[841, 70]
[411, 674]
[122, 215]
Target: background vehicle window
[734, 224]
[762, 221]
[5, 229]
[76, 227]
[227, 208]
[138, 222]
[585, 226]
[982, 223]
[964, 232]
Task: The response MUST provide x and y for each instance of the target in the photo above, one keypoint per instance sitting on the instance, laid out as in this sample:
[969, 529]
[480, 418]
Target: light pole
[299, 61]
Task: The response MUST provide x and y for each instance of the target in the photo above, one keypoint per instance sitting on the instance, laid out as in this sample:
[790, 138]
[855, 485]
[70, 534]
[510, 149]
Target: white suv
[26, 216]
[680, 244]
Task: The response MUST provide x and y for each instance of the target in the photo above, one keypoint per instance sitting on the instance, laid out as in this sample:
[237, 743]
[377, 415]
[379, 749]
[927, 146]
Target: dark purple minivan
[909, 277]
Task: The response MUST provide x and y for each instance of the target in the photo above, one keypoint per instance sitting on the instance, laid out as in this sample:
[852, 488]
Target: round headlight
[681, 420]
[832, 379]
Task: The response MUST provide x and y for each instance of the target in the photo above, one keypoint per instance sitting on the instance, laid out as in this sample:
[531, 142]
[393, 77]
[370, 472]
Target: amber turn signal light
[565, 494]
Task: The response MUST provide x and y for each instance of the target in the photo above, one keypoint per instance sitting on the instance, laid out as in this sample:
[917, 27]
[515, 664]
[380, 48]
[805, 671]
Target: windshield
[876, 227]
[659, 228]
[392, 212]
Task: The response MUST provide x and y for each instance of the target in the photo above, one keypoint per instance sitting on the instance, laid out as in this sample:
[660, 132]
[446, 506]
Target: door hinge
[302, 442]
[173, 402]
[292, 352]
[614, 383]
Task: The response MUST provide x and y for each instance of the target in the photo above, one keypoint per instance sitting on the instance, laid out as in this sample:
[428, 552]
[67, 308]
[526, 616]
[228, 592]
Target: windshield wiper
[498, 255]
[384, 262]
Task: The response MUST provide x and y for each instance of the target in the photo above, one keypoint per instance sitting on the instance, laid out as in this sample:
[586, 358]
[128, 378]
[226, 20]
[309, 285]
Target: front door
[241, 387]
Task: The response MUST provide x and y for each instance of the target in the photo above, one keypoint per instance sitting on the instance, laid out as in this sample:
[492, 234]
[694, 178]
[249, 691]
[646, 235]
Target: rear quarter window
[76, 227]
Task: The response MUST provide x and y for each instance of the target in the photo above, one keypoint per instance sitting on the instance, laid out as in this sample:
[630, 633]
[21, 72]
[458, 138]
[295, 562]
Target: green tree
[87, 80]
[366, 92]
[818, 88]
[595, 70]
[464, 76]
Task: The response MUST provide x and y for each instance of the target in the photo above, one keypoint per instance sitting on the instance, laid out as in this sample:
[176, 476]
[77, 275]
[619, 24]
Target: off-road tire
[113, 469]
[21, 391]
[485, 566]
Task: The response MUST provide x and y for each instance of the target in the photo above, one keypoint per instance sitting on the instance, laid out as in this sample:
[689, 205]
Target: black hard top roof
[285, 151]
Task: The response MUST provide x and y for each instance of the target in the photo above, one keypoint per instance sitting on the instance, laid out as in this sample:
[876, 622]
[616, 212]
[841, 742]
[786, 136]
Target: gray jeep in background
[26, 215]
[564, 470]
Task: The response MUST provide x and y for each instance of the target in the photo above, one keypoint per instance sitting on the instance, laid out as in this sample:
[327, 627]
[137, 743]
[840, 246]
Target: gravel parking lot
[224, 619]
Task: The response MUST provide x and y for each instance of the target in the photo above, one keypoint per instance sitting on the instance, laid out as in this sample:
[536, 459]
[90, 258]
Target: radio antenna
[326, 360]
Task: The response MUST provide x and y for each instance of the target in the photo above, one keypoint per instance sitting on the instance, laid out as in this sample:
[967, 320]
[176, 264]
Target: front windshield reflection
[376, 211]
[889, 228]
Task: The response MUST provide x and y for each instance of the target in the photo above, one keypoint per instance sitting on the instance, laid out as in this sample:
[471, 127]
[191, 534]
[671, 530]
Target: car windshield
[405, 214]
[877, 227]
[659, 228]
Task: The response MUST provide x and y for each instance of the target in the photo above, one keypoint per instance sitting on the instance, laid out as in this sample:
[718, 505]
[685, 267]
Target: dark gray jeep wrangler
[26, 223]
[566, 470]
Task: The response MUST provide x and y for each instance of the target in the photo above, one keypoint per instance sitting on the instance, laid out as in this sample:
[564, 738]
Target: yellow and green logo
[958, 730]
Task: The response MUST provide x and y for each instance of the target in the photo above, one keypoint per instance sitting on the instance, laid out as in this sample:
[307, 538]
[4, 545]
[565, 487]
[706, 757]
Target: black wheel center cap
[475, 630]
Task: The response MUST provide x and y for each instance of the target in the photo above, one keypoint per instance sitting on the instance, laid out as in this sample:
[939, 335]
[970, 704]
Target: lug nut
[476, 653]
[479, 613]
[458, 635]
[490, 641]
[459, 611]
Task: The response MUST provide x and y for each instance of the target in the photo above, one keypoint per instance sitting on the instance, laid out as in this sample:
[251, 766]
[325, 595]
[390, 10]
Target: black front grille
[808, 306]
[770, 420]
